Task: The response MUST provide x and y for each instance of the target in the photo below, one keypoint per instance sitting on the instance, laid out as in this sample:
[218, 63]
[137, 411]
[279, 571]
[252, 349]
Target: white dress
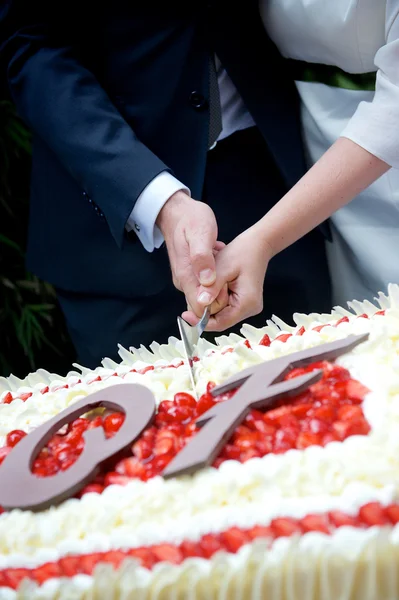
[358, 36]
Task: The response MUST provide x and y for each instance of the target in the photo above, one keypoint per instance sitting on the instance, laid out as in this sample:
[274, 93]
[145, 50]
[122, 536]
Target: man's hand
[242, 266]
[190, 231]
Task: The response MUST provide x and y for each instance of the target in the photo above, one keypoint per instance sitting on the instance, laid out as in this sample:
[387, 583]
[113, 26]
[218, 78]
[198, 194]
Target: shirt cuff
[148, 206]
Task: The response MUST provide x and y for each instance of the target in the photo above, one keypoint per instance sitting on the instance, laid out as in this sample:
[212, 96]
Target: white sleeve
[148, 205]
[375, 125]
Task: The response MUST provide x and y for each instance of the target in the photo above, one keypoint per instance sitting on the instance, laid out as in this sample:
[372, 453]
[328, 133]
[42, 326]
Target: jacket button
[198, 101]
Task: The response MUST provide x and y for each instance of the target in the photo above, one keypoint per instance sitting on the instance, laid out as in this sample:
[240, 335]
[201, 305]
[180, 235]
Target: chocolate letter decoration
[20, 488]
[260, 387]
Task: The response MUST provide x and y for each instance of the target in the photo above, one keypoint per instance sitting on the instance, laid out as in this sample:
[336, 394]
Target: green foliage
[32, 333]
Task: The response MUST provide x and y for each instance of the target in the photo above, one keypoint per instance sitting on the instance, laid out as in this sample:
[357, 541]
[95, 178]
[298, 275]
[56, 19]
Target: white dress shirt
[142, 219]
[358, 36]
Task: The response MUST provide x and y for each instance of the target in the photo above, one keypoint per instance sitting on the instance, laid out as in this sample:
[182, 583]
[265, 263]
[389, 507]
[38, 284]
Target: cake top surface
[333, 448]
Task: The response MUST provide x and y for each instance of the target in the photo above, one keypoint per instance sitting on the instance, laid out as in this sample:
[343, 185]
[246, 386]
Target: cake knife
[190, 336]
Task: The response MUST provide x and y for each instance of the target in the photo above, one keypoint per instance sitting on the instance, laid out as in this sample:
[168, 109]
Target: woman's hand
[241, 267]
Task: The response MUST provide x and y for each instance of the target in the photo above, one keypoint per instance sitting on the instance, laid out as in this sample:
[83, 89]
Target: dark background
[32, 330]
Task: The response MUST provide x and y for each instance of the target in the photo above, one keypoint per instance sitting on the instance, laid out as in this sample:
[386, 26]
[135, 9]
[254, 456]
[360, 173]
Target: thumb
[202, 258]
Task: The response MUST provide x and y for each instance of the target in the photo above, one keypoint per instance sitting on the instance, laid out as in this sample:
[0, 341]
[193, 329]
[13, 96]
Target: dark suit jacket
[115, 94]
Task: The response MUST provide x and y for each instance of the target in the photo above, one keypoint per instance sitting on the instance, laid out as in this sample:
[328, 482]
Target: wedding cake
[279, 482]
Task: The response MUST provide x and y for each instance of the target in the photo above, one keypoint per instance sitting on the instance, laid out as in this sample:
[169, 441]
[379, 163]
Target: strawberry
[315, 523]
[185, 399]
[167, 553]
[260, 532]
[8, 398]
[112, 423]
[70, 566]
[3, 452]
[273, 417]
[297, 372]
[131, 467]
[189, 549]
[15, 577]
[146, 369]
[210, 544]
[265, 341]
[327, 438]
[301, 410]
[305, 440]
[142, 449]
[355, 390]
[88, 562]
[265, 446]
[318, 328]
[325, 413]
[283, 337]
[341, 519]
[316, 426]
[231, 452]
[264, 429]
[25, 396]
[342, 320]
[285, 439]
[165, 445]
[115, 558]
[45, 572]
[144, 556]
[113, 478]
[373, 514]
[204, 404]
[349, 413]
[92, 488]
[300, 331]
[285, 527]
[341, 429]
[234, 538]
[165, 406]
[392, 512]
[246, 441]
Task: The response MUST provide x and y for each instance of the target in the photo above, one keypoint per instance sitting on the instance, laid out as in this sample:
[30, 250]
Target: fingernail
[207, 276]
[204, 298]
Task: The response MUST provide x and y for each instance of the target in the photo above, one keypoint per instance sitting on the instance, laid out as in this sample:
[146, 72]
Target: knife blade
[190, 336]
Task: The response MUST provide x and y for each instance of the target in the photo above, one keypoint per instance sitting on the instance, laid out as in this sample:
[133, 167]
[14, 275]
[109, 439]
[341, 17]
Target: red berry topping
[318, 328]
[3, 452]
[167, 553]
[210, 544]
[342, 320]
[14, 437]
[8, 398]
[112, 423]
[341, 519]
[265, 341]
[283, 337]
[315, 523]
[373, 514]
[284, 527]
[392, 512]
[186, 400]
